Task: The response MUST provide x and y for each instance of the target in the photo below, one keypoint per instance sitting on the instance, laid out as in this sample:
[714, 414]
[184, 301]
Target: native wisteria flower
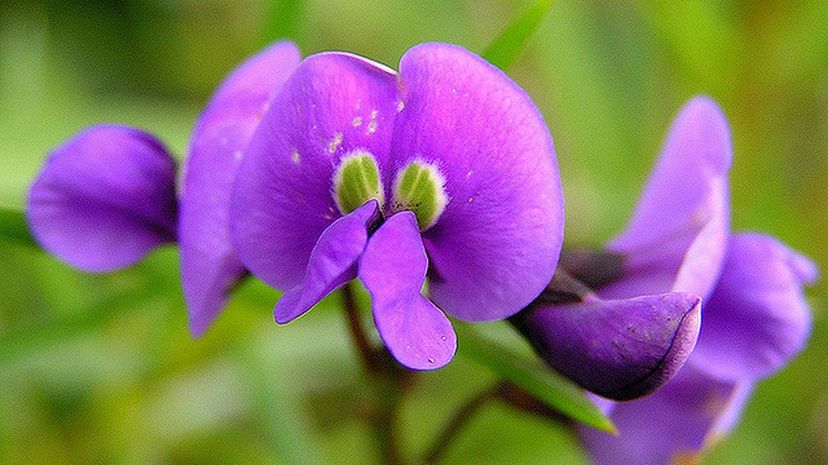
[107, 197]
[754, 319]
[443, 171]
[104, 199]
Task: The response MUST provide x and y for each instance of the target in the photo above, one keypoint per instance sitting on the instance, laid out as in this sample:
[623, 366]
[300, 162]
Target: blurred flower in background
[754, 316]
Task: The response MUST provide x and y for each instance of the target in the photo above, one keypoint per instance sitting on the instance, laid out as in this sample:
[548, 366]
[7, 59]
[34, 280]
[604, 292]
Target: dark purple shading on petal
[333, 103]
[393, 269]
[104, 199]
[757, 318]
[496, 245]
[332, 262]
[678, 235]
[620, 349]
[209, 263]
[675, 422]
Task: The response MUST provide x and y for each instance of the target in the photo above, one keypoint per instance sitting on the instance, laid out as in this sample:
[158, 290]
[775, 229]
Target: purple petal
[209, 264]
[675, 422]
[393, 269]
[678, 235]
[332, 104]
[620, 349]
[496, 245]
[757, 318]
[332, 262]
[104, 199]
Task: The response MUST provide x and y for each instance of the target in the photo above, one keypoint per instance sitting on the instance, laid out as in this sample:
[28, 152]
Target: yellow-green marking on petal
[420, 188]
[356, 181]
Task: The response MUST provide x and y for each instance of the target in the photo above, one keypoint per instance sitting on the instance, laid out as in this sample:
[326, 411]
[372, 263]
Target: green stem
[388, 378]
[385, 426]
[456, 423]
[368, 355]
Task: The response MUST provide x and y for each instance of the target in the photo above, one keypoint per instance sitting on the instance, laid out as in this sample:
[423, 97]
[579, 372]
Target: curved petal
[333, 103]
[393, 269]
[104, 199]
[674, 423]
[209, 265]
[678, 235]
[496, 245]
[620, 349]
[757, 318]
[332, 262]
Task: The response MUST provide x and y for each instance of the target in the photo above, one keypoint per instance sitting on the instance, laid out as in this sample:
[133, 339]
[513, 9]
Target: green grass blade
[508, 45]
[554, 390]
[13, 227]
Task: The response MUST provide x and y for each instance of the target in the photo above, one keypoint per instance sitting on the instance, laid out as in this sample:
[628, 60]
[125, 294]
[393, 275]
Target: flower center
[420, 188]
[356, 181]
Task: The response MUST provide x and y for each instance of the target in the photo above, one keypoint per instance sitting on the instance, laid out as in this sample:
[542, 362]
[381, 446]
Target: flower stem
[456, 423]
[368, 355]
[385, 429]
[388, 378]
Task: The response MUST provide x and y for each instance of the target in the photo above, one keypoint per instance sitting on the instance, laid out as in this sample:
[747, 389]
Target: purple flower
[755, 317]
[104, 199]
[107, 197]
[209, 264]
[443, 171]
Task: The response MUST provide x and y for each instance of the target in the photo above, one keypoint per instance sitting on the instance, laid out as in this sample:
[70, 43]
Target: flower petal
[620, 349]
[757, 318]
[393, 269]
[678, 235]
[675, 422]
[332, 262]
[333, 103]
[209, 263]
[497, 242]
[104, 199]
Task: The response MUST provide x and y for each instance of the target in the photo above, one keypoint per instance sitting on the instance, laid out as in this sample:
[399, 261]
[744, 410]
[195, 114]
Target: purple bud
[619, 349]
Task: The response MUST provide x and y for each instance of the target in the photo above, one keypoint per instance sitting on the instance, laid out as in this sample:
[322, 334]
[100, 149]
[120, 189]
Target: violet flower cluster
[311, 173]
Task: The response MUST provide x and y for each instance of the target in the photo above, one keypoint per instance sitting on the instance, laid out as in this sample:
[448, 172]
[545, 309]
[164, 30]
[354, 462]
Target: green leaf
[551, 388]
[506, 47]
[13, 227]
[88, 319]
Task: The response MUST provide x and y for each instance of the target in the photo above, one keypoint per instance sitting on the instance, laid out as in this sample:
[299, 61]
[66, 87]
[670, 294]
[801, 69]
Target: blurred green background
[101, 369]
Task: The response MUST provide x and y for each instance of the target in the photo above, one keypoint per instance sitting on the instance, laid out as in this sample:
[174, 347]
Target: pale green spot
[356, 181]
[420, 188]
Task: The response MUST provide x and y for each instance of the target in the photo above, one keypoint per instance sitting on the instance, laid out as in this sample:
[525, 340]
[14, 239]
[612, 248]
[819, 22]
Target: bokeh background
[101, 369]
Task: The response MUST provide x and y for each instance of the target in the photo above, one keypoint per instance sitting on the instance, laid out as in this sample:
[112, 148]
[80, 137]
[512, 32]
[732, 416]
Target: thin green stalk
[388, 379]
[456, 423]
